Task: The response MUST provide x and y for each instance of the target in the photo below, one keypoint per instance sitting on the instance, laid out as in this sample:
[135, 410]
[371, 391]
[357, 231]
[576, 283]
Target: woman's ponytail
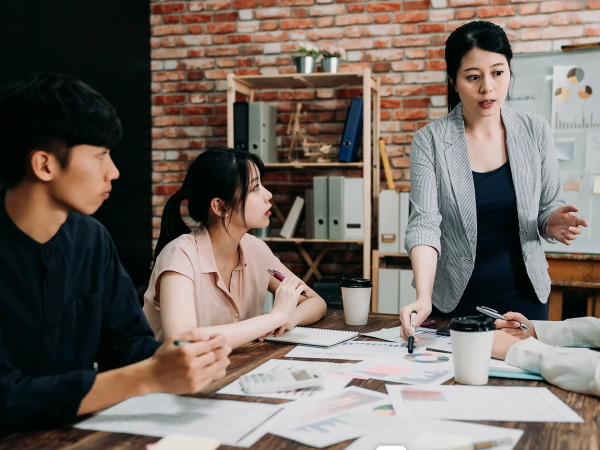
[171, 225]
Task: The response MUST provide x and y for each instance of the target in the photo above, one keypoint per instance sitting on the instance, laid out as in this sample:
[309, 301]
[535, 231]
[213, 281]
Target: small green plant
[308, 49]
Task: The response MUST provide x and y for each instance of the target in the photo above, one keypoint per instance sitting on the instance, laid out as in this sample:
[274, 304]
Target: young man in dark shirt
[65, 300]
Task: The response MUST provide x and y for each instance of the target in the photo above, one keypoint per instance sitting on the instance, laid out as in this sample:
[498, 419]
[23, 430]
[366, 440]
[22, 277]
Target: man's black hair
[54, 113]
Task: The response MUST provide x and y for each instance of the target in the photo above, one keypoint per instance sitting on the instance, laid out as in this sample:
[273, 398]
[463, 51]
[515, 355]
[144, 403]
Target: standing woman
[214, 279]
[485, 187]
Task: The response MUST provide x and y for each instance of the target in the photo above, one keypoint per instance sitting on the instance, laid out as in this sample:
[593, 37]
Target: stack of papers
[349, 351]
[427, 338]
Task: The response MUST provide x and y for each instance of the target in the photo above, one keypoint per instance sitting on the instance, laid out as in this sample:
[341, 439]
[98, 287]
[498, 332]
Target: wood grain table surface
[537, 436]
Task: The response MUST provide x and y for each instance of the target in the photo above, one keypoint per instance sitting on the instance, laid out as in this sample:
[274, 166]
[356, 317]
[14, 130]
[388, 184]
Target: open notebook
[315, 337]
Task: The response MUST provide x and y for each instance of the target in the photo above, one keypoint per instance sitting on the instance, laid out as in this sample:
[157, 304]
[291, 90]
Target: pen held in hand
[279, 277]
[411, 338]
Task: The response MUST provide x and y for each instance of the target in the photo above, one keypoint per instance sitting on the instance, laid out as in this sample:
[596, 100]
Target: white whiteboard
[531, 91]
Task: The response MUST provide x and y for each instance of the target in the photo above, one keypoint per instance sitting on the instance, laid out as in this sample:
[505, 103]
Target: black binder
[240, 125]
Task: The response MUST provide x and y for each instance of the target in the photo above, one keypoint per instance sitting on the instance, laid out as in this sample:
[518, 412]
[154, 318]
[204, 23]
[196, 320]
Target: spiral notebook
[314, 337]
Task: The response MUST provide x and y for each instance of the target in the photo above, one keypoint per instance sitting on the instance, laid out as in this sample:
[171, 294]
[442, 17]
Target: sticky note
[596, 189]
[183, 442]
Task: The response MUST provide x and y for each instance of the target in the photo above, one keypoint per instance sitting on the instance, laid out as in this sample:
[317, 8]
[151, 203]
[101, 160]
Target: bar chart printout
[576, 98]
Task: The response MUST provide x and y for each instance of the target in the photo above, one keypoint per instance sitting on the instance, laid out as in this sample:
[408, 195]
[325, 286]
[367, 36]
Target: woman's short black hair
[484, 35]
[54, 113]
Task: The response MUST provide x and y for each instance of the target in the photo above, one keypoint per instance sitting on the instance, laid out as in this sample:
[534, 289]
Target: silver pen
[494, 314]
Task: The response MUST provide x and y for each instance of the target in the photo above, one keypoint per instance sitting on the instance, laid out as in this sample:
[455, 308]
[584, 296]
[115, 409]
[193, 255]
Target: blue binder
[352, 135]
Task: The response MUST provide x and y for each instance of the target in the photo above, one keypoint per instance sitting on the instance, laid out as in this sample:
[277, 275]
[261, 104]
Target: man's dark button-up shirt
[63, 306]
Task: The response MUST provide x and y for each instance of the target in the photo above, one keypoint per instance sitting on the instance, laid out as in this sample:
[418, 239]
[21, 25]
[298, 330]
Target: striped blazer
[442, 198]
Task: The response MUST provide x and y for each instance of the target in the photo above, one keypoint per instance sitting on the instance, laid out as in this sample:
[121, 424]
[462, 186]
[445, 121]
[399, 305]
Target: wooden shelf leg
[375, 279]
[555, 303]
[312, 265]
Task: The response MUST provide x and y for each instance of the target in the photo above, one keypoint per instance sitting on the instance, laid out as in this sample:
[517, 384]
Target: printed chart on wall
[576, 98]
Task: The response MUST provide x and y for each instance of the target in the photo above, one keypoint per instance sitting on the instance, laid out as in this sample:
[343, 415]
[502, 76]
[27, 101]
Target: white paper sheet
[325, 421]
[575, 98]
[351, 351]
[331, 384]
[527, 404]
[427, 338]
[163, 414]
[592, 151]
[406, 432]
[398, 366]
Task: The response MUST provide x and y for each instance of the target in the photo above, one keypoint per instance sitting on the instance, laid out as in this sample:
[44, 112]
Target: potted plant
[331, 58]
[305, 63]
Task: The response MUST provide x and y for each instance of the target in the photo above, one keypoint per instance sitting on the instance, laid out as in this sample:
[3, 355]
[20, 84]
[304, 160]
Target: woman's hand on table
[512, 325]
[423, 309]
[502, 344]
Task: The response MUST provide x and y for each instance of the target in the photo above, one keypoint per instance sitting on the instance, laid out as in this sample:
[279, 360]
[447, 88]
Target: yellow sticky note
[183, 442]
[596, 189]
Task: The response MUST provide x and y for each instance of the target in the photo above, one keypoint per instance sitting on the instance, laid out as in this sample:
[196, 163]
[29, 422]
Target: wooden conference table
[542, 436]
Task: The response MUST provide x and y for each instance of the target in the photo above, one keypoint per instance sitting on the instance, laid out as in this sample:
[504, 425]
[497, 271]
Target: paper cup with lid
[472, 340]
[356, 296]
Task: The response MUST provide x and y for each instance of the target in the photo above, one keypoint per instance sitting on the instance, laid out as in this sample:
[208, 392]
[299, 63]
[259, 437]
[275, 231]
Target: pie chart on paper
[585, 92]
[575, 75]
[561, 93]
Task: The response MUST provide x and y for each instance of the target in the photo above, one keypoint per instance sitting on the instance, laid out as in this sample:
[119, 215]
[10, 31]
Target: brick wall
[196, 43]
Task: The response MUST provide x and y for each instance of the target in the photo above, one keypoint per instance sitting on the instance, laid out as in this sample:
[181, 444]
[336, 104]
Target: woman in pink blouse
[215, 278]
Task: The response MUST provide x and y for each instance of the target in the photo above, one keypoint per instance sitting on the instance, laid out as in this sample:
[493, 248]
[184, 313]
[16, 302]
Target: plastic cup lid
[356, 283]
[473, 323]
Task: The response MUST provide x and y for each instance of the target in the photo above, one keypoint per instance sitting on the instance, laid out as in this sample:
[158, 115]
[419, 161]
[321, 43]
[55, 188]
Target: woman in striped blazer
[485, 186]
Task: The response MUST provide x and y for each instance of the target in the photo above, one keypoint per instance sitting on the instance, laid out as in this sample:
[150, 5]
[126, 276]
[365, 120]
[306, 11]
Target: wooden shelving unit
[377, 257]
[246, 85]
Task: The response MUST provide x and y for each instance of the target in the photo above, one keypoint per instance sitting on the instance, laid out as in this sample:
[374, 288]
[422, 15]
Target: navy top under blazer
[443, 206]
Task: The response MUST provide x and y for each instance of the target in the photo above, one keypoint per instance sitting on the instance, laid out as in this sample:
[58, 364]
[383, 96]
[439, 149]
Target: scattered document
[592, 151]
[565, 148]
[575, 104]
[398, 366]
[427, 338]
[501, 369]
[164, 414]
[436, 435]
[183, 442]
[325, 421]
[331, 384]
[528, 404]
[350, 351]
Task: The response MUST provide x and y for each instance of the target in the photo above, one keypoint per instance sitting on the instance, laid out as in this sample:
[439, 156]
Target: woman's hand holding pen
[511, 325]
[564, 226]
[423, 309]
[284, 305]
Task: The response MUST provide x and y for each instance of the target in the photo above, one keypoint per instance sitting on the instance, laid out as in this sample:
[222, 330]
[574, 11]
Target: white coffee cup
[472, 339]
[356, 296]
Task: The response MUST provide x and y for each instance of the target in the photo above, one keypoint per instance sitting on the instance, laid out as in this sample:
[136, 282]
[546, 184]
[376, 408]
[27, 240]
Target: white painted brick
[246, 14]
[272, 48]
[438, 100]
[438, 4]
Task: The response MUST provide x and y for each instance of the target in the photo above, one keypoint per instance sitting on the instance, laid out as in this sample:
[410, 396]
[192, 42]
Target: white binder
[389, 225]
[353, 208]
[404, 214]
[408, 294]
[387, 291]
[292, 220]
[320, 208]
[336, 207]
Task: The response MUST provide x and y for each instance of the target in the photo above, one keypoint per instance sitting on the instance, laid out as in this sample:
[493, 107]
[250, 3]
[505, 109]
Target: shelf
[301, 80]
[304, 240]
[313, 165]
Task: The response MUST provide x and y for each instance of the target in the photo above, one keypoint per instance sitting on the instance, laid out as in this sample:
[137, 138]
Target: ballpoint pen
[279, 277]
[485, 444]
[411, 338]
[494, 314]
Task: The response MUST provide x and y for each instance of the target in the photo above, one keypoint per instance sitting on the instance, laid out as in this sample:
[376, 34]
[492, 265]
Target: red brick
[416, 103]
[220, 28]
[382, 67]
[325, 22]
[168, 30]
[218, 5]
[382, 43]
[435, 65]
[245, 4]
[196, 121]
[169, 99]
[168, 8]
[435, 53]
[560, 19]
[460, 3]
[169, 121]
[195, 29]
[299, 94]
[413, 53]
[400, 163]
[592, 31]
[592, 4]
[282, 36]
[409, 126]
[196, 52]
[410, 17]
[197, 87]
[409, 29]
[170, 167]
[431, 28]
[222, 51]
[463, 14]
[325, 33]
[436, 89]
[499, 11]
[562, 32]
[244, 62]
[268, 3]
[219, 39]
[270, 26]
[197, 109]
[411, 41]
[171, 19]
[530, 35]
[382, 18]
[563, 5]
[166, 190]
[297, 24]
[386, 115]
[390, 103]
[226, 17]
[169, 53]
[416, 6]
[529, 8]
[296, 2]
[242, 72]
[527, 22]
[251, 50]
[239, 39]
[172, 110]
[407, 66]
[196, 18]
[359, 8]
[383, 7]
